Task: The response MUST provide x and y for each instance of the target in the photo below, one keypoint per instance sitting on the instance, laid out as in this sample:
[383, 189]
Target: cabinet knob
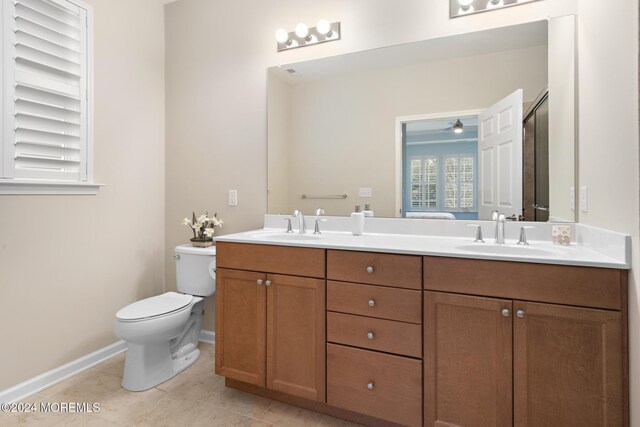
[259, 282]
[372, 302]
[268, 283]
[370, 386]
[370, 335]
[369, 269]
[520, 313]
[506, 312]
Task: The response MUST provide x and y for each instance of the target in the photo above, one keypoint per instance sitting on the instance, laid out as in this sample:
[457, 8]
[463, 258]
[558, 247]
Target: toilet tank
[195, 270]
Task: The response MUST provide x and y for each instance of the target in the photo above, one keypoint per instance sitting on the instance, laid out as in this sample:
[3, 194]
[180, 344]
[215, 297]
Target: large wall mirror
[454, 127]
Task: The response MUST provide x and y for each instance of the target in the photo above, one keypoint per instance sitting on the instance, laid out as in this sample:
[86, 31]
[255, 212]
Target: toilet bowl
[162, 332]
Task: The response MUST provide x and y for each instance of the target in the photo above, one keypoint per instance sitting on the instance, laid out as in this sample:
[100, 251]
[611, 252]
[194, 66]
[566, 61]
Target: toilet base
[151, 363]
[148, 365]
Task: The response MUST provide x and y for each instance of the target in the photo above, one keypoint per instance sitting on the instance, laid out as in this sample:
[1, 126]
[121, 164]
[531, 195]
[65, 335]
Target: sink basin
[504, 250]
[284, 237]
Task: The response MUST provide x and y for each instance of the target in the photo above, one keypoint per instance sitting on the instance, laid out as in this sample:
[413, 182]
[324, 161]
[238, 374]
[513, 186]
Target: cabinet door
[296, 336]
[241, 325]
[467, 361]
[568, 366]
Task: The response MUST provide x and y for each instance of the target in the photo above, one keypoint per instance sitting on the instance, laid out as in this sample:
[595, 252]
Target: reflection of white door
[500, 157]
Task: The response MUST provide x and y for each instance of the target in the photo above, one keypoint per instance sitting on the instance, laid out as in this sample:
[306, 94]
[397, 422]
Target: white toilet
[162, 332]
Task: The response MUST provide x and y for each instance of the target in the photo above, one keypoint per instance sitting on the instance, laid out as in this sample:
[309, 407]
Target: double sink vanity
[422, 326]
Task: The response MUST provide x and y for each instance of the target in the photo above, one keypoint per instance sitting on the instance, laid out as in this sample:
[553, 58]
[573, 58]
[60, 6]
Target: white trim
[208, 337]
[17, 186]
[61, 373]
[398, 147]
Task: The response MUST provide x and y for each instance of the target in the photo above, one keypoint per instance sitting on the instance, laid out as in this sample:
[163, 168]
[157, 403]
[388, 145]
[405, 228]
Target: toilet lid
[154, 306]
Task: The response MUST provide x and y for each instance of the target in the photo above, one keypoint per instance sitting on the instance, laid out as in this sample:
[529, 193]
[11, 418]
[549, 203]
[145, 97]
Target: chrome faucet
[302, 228]
[500, 220]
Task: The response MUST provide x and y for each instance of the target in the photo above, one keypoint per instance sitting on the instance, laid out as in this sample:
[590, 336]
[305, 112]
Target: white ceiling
[468, 44]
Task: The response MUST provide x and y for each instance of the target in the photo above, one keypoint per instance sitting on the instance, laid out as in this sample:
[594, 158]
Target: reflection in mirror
[454, 127]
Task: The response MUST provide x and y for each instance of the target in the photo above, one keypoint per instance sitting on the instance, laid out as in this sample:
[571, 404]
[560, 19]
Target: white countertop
[542, 252]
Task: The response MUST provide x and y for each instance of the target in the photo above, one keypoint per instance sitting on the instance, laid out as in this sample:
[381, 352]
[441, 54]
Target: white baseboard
[208, 337]
[54, 376]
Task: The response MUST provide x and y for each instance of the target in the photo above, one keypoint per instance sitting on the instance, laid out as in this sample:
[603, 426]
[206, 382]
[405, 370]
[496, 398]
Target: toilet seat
[155, 307]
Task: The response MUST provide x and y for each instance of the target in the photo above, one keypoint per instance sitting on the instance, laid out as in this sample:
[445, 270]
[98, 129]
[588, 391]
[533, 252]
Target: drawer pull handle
[520, 313]
[372, 302]
[369, 269]
[506, 312]
[268, 283]
[370, 386]
[259, 282]
[370, 335]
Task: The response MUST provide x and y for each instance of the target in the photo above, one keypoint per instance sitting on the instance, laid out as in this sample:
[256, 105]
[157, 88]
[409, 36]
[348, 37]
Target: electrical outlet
[572, 198]
[365, 192]
[584, 199]
[233, 197]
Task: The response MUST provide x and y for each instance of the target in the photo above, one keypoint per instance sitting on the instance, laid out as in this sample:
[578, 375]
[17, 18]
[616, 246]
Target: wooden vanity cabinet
[270, 328]
[502, 361]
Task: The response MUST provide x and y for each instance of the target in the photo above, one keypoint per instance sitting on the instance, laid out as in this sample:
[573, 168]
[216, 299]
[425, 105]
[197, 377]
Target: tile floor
[195, 397]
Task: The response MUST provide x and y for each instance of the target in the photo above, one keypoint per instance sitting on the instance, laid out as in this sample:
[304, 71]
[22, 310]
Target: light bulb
[323, 26]
[458, 127]
[465, 5]
[282, 35]
[302, 31]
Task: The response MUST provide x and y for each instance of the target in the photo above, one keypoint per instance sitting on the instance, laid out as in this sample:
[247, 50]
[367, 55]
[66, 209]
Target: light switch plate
[233, 197]
[584, 199]
[365, 192]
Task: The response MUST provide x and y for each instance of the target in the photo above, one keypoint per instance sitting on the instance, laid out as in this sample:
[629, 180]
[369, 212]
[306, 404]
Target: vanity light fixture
[458, 127]
[467, 7]
[323, 32]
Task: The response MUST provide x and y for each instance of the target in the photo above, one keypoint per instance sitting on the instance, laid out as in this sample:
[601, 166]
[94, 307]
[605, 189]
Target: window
[450, 189]
[424, 183]
[459, 182]
[46, 79]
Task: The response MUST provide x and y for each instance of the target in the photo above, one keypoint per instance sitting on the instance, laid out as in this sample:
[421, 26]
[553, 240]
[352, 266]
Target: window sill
[28, 187]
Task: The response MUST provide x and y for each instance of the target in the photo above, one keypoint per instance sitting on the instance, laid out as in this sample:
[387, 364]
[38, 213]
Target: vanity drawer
[307, 262]
[381, 385]
[375, 334]
[375, 301]
[401, 271]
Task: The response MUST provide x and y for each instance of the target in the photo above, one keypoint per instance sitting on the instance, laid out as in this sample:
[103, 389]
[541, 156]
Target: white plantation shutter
[45, 90]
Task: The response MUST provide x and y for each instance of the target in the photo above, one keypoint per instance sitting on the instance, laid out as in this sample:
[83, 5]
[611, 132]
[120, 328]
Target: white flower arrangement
[204, 226]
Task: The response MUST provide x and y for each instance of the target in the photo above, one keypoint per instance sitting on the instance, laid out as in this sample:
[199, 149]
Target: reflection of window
[442, 182]
[459, 172]
[424, 182]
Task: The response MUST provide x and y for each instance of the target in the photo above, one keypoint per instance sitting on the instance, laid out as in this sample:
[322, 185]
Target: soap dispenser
[367, 211]
[357, 222]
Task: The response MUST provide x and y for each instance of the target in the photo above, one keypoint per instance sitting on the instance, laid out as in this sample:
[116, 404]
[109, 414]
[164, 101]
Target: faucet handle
[494, 215]
[319, 211]
[479, 238]
[317, 227]
[502, 218]
[289, 228]
[523, 235]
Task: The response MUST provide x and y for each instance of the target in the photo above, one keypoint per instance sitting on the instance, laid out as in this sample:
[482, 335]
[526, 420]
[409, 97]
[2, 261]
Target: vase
[202, 243]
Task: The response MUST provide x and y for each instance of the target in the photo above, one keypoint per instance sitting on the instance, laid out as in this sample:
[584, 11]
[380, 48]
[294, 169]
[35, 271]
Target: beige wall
[279, 125]
[218, 52]
[342, 129]
[68, 263]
